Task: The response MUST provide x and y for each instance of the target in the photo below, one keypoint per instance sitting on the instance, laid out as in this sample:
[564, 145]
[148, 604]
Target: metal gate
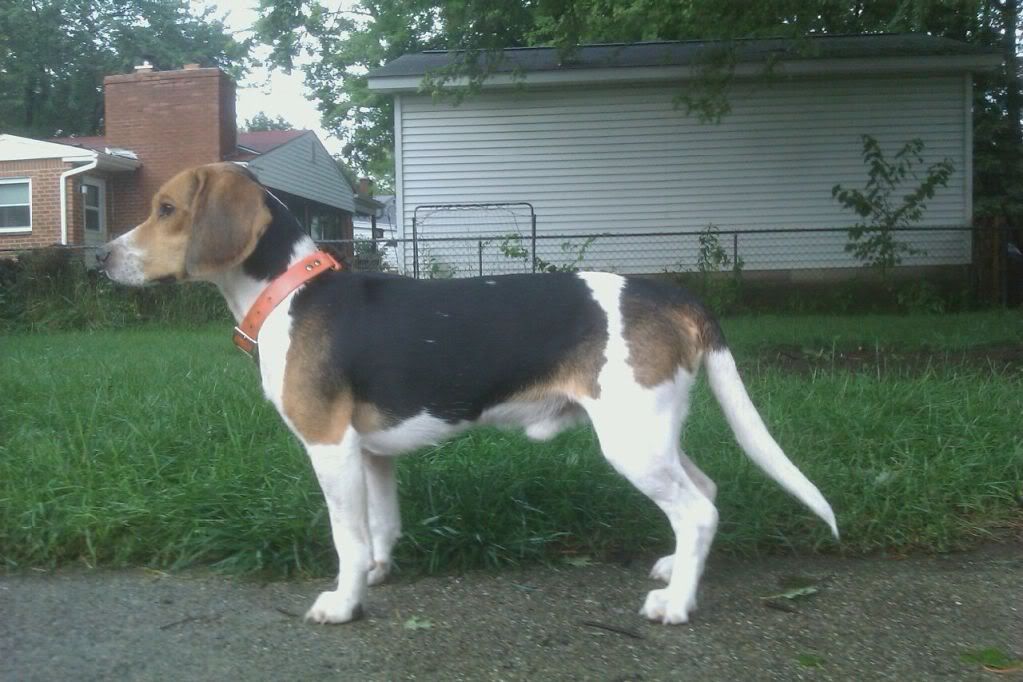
[466, 240]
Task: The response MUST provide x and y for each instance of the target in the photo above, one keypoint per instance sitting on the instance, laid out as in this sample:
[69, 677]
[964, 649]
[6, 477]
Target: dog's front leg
[339, 469]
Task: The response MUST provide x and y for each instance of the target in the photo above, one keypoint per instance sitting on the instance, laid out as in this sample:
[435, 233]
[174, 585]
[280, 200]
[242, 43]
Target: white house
[600, 143]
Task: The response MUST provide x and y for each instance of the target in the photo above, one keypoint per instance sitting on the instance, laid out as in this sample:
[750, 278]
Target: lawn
[153, 446]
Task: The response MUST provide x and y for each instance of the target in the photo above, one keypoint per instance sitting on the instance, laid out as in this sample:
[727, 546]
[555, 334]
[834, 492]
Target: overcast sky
[272, 92]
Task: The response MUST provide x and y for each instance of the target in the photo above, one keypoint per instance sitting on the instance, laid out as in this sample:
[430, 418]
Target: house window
[15, 205]
[324, 226]
[92, 207]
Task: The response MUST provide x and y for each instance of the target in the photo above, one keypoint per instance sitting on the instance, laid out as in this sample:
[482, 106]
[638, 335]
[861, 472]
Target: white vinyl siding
[304, 167]
[621, 159]
[15, 205]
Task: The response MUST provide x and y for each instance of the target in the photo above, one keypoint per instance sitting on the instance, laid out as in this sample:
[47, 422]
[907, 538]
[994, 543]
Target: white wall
[627, 159]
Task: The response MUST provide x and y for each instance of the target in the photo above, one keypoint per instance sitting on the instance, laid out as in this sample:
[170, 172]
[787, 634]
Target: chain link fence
[754, 265]
[753, 268]
[647, 253]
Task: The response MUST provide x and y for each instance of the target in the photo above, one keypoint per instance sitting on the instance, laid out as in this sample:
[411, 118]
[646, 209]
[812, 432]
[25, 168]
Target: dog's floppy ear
[228, 218]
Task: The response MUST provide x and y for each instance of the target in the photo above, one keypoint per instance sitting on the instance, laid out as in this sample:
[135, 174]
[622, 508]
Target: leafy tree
[874, 240]
[55, 53]
[348, 42]
[262, 122]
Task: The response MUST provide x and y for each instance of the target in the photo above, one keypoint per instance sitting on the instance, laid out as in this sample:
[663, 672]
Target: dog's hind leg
[702, 480]
[638, 429]
[663, 566]
[339, 469]
[384, 515]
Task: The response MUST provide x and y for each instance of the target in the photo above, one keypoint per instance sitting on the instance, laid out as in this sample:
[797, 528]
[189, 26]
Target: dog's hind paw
[664, 608]
[379, 572]
[333, 607]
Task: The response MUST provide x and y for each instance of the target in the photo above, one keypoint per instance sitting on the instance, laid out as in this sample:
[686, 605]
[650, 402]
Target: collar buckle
[244, 342]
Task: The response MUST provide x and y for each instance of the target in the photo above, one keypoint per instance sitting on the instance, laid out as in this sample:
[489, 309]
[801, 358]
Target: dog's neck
[282, 245]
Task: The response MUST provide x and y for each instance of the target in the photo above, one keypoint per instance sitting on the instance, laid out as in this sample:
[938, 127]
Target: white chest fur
[274, 340]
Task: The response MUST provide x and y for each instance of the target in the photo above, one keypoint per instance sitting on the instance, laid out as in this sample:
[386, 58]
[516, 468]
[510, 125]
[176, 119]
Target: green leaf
[992, 659]
[417, 623]
[795, 593]
[810, 660]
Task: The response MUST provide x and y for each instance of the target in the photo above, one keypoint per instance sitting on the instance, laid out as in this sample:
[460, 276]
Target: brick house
[82, 191]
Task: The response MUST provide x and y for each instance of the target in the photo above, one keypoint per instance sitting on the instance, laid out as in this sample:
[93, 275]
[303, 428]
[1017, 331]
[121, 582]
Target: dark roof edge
[690, 53]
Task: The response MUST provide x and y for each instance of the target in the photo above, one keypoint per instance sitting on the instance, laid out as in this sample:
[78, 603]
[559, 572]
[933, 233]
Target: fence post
[415, 249]
[532, 221]
[735, 256]
[479, 242]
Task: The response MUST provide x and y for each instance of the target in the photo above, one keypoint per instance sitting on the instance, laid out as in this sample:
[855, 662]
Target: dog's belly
[541, 420]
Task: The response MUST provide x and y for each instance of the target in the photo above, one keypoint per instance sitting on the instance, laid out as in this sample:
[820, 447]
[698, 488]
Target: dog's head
[203, 221]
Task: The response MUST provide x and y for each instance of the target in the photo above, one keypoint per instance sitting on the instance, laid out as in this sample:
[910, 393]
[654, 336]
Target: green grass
[154, 447]
[935, 332]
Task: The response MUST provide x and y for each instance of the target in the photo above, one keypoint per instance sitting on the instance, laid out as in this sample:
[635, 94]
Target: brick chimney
[365, 188]
[172, 120]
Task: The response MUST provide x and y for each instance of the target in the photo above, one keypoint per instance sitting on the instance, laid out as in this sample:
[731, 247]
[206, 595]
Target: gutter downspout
[63, 195]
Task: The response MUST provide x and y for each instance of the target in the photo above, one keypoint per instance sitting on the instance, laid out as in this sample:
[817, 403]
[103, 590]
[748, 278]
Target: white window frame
[19, 181]
[99, 208]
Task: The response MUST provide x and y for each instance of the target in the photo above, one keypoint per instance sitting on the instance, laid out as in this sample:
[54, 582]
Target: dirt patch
[869, 619]
[796, 359]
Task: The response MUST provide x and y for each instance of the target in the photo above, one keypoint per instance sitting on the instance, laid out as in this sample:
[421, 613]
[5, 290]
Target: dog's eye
[166, 210]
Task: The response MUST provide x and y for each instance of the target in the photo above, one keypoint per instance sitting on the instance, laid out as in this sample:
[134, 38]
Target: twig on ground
[612, 628]
[189, 619]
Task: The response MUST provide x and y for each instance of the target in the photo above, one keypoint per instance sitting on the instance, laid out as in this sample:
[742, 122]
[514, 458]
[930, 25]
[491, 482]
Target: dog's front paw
[334, 607]
[662, 607]
[379, 572]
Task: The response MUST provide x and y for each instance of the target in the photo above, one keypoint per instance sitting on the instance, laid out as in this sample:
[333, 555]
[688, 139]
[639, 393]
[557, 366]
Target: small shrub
[433, 267]
[873, 240]
[370, 256]
[511, 247]
[921, 297]
[718, 290]
[52, 289]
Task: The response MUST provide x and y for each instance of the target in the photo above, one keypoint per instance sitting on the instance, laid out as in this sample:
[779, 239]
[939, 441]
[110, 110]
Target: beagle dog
[363, 367]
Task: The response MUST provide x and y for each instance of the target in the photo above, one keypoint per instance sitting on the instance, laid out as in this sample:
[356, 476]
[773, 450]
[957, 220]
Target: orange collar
[246, 333]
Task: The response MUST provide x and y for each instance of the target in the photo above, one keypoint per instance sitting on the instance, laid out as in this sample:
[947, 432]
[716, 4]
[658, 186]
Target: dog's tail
[754, 438]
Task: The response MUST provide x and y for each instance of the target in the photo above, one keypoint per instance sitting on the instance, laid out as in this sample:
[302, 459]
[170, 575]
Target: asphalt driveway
[864, 619]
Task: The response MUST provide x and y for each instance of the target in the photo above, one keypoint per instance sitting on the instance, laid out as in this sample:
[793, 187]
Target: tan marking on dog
[367, 418]
[575, 378]
[319, 411]
[163, 240]
[661, 340]
[229, 218]
[217, 217]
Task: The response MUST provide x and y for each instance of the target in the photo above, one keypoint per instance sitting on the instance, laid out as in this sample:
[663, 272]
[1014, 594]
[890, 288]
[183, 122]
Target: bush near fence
[52, 289]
